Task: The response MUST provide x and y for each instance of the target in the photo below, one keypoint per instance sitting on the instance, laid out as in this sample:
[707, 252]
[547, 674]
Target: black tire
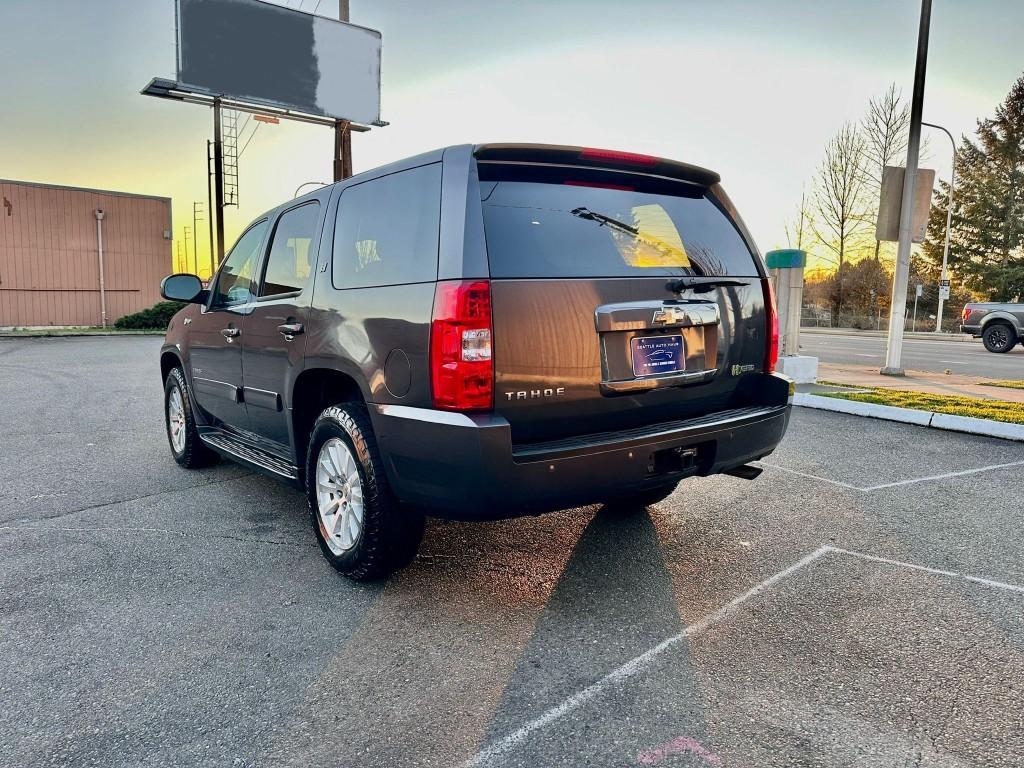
[391, 532]
[194, 454]
[999, 338]
[642, 499]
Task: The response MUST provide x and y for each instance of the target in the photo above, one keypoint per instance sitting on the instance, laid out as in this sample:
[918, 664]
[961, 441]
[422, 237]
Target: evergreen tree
[987, 243]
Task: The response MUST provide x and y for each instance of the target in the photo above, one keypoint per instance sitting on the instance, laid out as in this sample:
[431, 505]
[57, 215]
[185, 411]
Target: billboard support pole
[342, 128]
[218, 179]
[342, 150]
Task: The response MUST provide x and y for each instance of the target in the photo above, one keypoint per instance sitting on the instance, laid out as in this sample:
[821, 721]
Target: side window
[291, 251]
[236, 280]
[387, 230]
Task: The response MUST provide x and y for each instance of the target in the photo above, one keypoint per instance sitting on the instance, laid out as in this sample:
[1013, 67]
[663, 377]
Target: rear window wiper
[703, 284]
[601, 219]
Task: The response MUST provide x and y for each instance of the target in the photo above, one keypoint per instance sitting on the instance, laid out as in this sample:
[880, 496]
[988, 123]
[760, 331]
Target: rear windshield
[537, 229]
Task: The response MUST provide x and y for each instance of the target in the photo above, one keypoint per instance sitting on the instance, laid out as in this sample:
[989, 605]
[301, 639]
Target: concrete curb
[970, 425]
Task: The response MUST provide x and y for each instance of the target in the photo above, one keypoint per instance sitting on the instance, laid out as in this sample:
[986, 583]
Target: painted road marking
[944, 476]
[635, 665]
[898, 483]
[639, 663]
[935, 571]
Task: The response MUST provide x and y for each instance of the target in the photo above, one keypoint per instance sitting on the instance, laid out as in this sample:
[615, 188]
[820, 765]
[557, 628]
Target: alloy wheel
[339, 496]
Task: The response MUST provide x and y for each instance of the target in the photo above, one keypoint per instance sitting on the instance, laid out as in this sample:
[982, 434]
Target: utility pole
[209, 202]
[949, 226]
[342, 128]
[218, 179]
[197, 216]
[186, 231]
[901, 277]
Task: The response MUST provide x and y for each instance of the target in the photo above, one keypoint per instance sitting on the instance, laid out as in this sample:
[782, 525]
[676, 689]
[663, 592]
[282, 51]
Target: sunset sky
[750, 89]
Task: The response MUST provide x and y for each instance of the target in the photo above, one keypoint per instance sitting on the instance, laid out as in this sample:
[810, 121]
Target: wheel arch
[169, 358]
[314, 390]
[1001, 318]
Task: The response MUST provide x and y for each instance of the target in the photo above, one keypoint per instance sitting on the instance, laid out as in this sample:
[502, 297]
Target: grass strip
[957, 405]
[1005, 383]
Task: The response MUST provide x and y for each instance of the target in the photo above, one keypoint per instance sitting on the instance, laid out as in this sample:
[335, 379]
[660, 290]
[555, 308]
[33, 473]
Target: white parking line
[934, 571]
[898, 483]
[944, 476]
[635, 665]
[640, 662]
[828, 480]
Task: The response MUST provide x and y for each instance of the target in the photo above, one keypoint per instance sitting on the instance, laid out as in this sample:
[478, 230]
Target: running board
[234, 448]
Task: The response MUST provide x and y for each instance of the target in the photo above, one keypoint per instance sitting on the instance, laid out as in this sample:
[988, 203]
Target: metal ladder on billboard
[230, 155]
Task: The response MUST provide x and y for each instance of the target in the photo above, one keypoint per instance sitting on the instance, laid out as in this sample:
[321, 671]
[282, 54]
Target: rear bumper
[464, 466]
[973, 330]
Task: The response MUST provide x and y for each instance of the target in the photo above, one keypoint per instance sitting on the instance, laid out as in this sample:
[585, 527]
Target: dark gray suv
[481, 332]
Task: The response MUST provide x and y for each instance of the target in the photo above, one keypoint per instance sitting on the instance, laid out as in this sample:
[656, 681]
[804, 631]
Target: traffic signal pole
[897, 313]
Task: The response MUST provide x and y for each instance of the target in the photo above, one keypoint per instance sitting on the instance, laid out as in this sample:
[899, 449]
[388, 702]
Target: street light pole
[949, 225]
[901, 277]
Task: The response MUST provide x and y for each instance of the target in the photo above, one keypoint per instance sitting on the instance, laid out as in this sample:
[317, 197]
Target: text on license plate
[653, 355]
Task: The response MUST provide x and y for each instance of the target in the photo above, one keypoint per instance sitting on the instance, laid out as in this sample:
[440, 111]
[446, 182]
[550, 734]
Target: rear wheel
[362, 529]
[999, 338]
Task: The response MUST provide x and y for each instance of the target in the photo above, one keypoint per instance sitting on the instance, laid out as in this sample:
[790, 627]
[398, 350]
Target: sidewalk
[915, 381]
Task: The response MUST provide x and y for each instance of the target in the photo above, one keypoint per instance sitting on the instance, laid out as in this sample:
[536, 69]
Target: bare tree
[842, 197]
[885, 127]
[798, 229]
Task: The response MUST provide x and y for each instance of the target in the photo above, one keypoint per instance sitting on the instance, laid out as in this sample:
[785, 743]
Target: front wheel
[186, 447]
[999, 338]
[362, 529]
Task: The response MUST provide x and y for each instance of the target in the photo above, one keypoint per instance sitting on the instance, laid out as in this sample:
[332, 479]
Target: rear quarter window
[387, 230]
[538, 229]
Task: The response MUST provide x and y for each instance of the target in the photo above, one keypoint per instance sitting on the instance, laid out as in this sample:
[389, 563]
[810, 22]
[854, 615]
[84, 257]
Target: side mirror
[183, 288]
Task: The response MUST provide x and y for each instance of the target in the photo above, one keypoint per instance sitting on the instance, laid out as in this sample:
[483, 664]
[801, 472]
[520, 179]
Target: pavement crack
[101, 505]
[167, 531]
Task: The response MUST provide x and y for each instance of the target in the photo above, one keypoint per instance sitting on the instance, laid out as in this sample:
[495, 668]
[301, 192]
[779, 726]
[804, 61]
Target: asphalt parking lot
[861, 603]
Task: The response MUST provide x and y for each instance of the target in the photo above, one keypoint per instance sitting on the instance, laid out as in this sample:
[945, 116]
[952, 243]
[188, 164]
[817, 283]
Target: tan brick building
[50, 253]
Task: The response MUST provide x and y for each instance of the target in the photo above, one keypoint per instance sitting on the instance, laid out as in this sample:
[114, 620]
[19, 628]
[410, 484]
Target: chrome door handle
[290, 330]
[230, 333]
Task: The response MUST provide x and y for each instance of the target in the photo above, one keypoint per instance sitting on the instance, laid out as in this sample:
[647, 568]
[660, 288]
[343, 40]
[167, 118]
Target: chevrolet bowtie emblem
[668, 315]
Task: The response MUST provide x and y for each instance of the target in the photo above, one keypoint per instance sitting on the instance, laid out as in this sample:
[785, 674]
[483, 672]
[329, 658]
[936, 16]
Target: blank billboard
[262, 53]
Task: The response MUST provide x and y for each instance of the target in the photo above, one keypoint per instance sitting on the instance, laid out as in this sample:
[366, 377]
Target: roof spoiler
[588, 157]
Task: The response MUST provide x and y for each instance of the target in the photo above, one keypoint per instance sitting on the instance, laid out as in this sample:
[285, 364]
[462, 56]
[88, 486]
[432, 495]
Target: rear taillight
[965, 315]
[461, 366]
[771, 309]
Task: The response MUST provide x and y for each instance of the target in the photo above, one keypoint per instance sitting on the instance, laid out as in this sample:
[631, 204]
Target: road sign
[888, 225]
[944, 290]
[920, 290]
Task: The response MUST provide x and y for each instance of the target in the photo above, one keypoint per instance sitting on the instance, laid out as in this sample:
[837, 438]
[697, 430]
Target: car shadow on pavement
[490, 627]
